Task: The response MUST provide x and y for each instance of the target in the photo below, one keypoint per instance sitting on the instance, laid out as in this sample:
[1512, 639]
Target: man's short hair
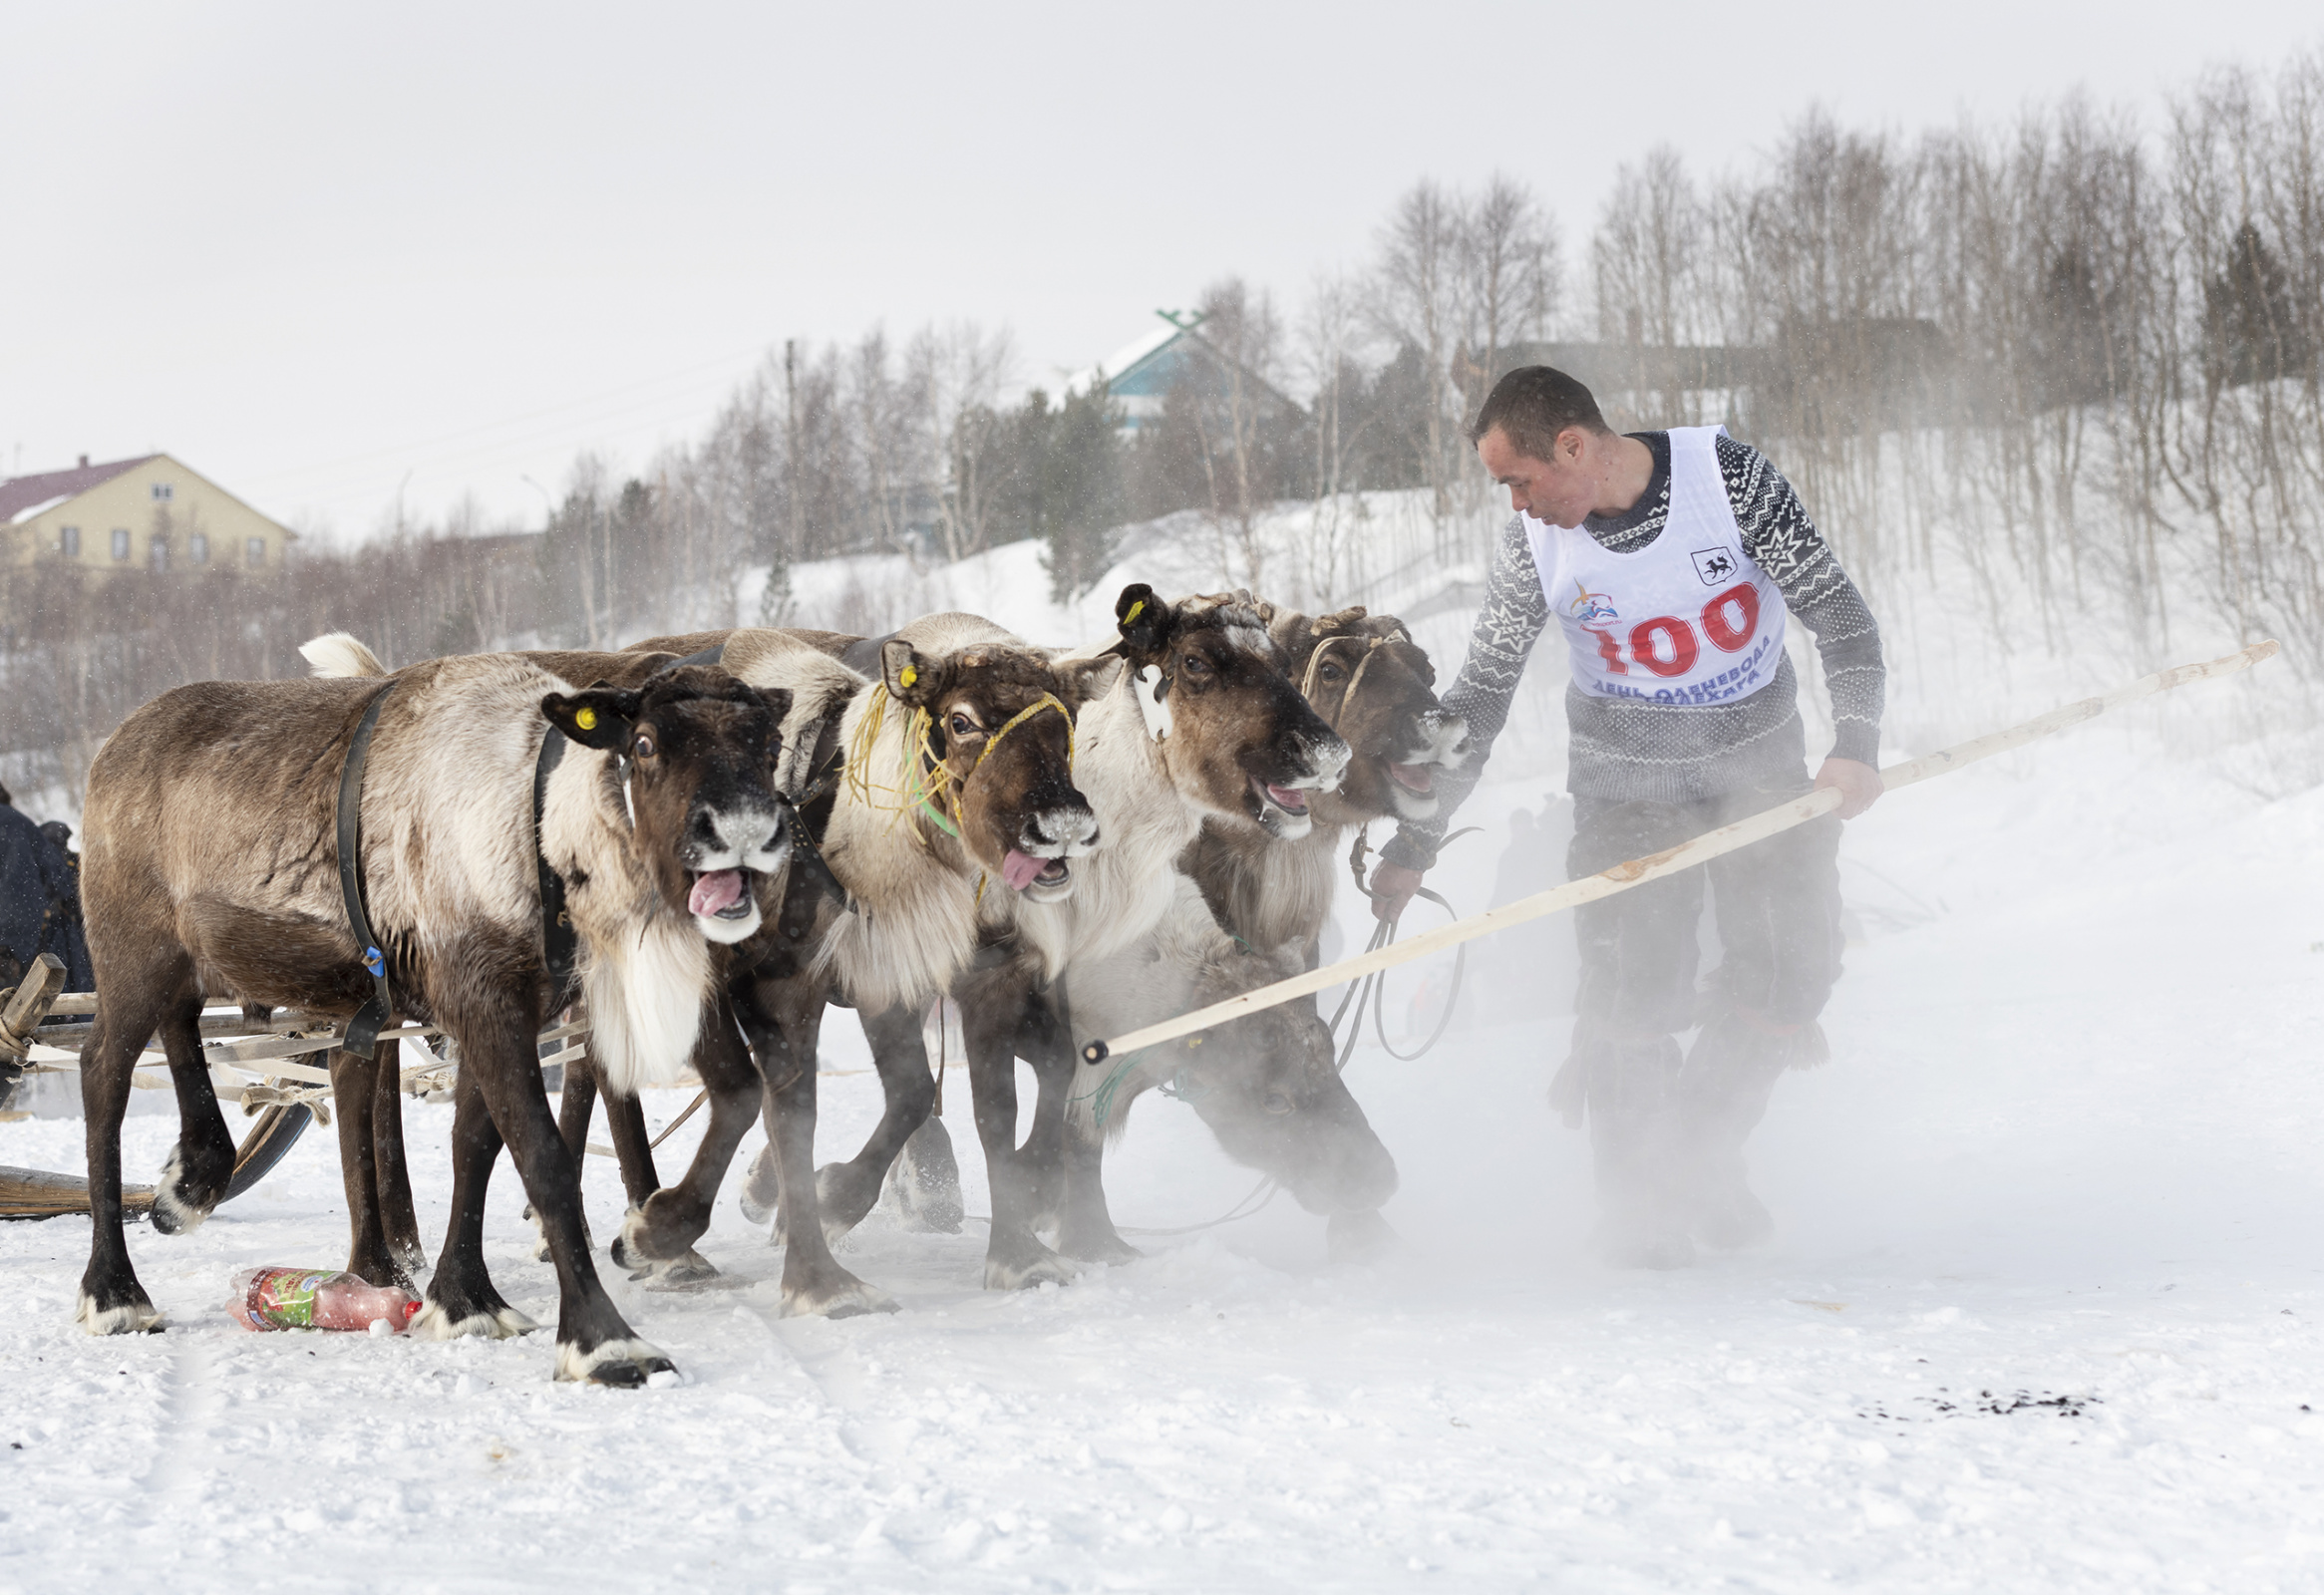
[1531, 406]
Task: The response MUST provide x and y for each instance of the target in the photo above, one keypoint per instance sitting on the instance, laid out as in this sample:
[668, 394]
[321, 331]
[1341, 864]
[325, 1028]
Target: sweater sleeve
[1513, 618]
[1778, 533]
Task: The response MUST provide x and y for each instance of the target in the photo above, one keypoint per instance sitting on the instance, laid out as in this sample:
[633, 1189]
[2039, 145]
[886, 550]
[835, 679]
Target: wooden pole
[1684, 855]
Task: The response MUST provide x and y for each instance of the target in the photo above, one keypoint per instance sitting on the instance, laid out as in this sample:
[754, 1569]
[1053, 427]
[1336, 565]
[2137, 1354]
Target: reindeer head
[1374, 685]
[1000, 728]
[697, 751]
[1235, 735]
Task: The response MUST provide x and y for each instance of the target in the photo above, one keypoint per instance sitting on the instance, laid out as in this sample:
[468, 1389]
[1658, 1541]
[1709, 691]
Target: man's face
[1558, 491]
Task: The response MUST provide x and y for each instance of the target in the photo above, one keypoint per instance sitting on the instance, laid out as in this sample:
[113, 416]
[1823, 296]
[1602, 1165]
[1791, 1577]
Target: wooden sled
[285, 1055]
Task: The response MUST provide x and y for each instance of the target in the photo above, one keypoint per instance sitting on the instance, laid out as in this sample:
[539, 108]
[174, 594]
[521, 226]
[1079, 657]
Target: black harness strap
[811, 813]
[715, 653]
[363, 1029]
[560, 943]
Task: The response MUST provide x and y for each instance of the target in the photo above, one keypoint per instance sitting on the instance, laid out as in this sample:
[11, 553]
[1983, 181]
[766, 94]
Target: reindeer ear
[1088, 679]
[1143, 619]
[601, 718]
[911, 676]
[777, 698]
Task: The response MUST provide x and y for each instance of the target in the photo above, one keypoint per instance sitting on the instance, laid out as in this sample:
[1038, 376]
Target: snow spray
[307, 1298]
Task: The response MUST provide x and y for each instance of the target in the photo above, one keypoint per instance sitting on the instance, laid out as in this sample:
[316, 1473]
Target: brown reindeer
[212, 864]
[1271, 1091]
[1375, 687]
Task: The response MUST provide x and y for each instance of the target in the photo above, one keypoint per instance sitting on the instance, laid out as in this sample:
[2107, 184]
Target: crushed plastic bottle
[311, 1298]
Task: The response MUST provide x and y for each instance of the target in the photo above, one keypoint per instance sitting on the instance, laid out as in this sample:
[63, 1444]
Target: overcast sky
[327, 254]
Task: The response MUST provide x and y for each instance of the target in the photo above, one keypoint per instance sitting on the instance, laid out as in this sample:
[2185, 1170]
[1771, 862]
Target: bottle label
[286, 1296]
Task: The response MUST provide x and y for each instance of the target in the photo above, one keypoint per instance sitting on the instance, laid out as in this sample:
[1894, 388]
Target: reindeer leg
[658, 1235]
[392, 1177]
[1073, 1143]
[772, 1013]
[111, 1301]
[496, 1049]
[354, 1089]
[576, 1105]
[461, 1299]
[992, 1002]
[193, 1181]
[850, 1189]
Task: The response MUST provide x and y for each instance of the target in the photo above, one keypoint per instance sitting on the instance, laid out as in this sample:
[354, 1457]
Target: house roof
[19, 495]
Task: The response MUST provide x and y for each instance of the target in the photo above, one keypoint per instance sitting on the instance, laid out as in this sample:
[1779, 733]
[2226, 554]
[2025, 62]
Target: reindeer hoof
[759, 1188]
[616, 1365]
[922, 1188]
[1036, 1266]
[845, 1297]
[177, 1210]
[631, 1252]
[435, 1322]
[1105, 1248]
[136, 1316]
[687, 1272]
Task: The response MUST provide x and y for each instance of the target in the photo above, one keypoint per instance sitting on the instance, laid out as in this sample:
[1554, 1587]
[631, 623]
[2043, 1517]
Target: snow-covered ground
[2043, 1313]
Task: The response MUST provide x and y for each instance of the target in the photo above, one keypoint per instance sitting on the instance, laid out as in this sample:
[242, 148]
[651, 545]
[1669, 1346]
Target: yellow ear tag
[1135, 609]
[907, 675]
[586, 719]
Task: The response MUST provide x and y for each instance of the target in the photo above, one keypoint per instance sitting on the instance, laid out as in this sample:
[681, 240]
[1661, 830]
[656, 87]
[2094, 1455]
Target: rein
[1373, 988]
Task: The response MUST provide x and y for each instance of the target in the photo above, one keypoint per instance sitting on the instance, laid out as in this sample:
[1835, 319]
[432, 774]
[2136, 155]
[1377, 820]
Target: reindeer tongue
[1019, 869]
[715, 891]
[1290, 798]
[1413, 776]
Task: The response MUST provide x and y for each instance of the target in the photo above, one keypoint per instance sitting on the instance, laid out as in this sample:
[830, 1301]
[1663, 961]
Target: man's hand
[1859, 785]
[1392, 886]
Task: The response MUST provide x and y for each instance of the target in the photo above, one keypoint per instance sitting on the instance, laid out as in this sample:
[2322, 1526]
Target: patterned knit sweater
[1624, 749]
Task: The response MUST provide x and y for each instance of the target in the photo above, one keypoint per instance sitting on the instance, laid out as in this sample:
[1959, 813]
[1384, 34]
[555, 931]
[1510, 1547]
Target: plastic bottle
[309, 1298]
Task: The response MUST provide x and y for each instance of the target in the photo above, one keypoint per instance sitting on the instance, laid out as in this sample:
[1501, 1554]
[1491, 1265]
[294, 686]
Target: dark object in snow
[1985, 1402]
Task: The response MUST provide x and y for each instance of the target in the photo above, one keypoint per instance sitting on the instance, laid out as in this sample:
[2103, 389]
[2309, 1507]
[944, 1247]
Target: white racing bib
[1688, 619]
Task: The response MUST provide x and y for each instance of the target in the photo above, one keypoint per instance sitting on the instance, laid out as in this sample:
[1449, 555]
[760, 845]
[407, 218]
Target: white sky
[312, 249]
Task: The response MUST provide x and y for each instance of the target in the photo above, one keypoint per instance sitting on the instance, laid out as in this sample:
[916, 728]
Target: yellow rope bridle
[913, 793]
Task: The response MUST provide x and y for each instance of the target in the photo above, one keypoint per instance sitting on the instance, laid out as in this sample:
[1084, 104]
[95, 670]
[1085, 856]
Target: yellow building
[149, 514]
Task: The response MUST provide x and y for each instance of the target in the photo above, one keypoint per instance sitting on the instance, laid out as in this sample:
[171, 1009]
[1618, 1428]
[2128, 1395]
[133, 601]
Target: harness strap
[363, 1029]
[807, 865]
[559, 942]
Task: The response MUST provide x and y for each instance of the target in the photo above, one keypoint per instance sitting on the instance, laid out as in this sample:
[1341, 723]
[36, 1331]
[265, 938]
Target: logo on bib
[1713, 565]
[1588, 606]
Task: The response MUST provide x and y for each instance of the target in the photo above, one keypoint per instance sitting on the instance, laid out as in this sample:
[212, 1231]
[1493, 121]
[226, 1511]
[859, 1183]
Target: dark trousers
[1776, 903]
[1777, 907]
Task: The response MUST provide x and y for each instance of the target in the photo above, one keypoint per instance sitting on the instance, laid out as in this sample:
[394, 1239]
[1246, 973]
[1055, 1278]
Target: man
[1671, 561]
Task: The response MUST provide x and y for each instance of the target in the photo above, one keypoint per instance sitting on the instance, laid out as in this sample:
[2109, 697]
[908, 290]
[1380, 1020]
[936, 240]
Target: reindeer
[1274, 1097]
[213, 865]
